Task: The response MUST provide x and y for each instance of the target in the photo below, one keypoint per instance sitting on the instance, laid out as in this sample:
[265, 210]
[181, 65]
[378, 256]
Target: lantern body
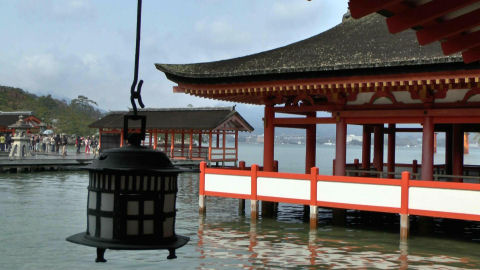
[131, 201]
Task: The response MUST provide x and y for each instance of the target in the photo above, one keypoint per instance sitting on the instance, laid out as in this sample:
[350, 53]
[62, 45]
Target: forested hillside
[66, 117]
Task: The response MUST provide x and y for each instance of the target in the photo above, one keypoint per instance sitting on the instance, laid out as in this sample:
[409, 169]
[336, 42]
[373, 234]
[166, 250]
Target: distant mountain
[70, 117]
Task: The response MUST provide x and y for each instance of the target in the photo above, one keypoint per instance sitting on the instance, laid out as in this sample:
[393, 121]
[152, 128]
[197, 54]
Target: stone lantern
[20, 141]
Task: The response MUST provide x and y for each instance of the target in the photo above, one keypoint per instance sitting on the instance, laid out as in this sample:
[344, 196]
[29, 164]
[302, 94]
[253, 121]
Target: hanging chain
[136, 94]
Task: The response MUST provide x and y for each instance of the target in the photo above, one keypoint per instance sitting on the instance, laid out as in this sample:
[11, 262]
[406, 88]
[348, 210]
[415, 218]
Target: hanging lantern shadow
[131, 199]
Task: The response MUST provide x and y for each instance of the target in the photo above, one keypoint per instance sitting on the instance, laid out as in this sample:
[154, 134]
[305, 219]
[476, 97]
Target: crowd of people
[54, 143]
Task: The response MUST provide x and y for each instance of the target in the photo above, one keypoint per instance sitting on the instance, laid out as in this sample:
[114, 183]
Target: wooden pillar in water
[121, 138]
[190, 145]
[172, 145]
[241, 202]
[310, 157]
[466, 145]
[268, 152]
[391, 151]
[427, 149]
[366, 147]
[404, 219]
[340, 160]
[457, 152]
[378, 148]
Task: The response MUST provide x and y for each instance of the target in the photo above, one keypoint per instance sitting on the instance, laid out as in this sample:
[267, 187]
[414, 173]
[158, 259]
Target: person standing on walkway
[78, 143]
[52, 143]
[64, 145]
[87, 145]
[8, 142]
[2, 142]
[58, 142]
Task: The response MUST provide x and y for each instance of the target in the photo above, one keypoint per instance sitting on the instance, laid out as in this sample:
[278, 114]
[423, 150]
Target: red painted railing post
[253, 197]
[201, 190]
[404, 222]
[313, 197]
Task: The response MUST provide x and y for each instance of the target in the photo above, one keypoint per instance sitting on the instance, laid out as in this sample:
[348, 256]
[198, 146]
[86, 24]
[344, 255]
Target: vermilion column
[268, 208]
[378, 147]
[427, 149]
[269, 138]
[155, 142]
[366, 147]
[457, 152]
[340, 147]
[391, 150]
[310, 144]
[166, 141]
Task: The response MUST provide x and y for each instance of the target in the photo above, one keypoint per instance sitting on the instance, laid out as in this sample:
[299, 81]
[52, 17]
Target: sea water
[39, 210]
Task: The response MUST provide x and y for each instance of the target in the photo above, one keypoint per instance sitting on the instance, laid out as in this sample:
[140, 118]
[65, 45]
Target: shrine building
[193, 134]
[360, 74]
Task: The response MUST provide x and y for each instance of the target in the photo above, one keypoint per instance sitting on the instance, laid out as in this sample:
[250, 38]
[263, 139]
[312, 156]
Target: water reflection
[260, 244]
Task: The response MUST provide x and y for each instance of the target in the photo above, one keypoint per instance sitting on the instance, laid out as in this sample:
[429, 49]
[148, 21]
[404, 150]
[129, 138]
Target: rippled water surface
[38, 211]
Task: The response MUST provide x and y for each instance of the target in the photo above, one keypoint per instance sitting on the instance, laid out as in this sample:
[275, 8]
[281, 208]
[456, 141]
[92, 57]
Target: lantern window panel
[168, 227]
[132, 208]
[148, 226]
[169, 203]
[148, 208]
[132, 227]
[92, 200]
[107, 202]
[106, 228]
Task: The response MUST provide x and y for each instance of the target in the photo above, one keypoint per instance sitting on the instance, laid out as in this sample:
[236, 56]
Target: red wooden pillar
[268, 208]
[190, 145]
[172, 145]
[310, 144]
[427, 149]
[448, 150]
[155, 142]
[269, 138]
[340, 147]
[378, 147]
[210, 145]
[391, 150]
[121, 138]
[366, 147]
[218, 139]
[466, 145]
[457, 152]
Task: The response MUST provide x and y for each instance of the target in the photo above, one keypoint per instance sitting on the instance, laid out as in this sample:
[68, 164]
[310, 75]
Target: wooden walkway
[44, 162]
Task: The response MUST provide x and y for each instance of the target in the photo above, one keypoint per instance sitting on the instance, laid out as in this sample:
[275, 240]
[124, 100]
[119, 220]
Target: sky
[68, 48]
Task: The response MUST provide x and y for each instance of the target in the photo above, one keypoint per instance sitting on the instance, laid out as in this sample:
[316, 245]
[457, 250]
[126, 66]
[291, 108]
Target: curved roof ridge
[353, 44]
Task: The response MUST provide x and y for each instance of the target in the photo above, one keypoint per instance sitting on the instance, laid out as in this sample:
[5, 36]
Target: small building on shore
[9, 118]
[195, 134]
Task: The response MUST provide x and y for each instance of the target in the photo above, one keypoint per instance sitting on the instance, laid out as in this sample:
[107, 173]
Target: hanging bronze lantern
[131, 201]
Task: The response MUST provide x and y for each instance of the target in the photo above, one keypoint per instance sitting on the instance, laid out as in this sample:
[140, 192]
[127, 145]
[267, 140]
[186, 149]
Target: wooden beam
[304, 121]
[471, 55]
[361, 8]
[448, 28]
[461, 43]
[419, 15]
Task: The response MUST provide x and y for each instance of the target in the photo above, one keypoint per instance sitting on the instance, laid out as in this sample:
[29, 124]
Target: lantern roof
[208, 118]
[354, 47]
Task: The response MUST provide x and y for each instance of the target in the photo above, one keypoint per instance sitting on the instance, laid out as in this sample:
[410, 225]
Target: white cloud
[64, 10]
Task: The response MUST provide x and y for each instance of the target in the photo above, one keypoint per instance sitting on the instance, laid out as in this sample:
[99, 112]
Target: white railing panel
[235, 184]
[361, 194]
[444, 200]
[283, 188]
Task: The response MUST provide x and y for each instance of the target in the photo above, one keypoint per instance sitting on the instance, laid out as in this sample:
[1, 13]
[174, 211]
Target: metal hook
[136, 94]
